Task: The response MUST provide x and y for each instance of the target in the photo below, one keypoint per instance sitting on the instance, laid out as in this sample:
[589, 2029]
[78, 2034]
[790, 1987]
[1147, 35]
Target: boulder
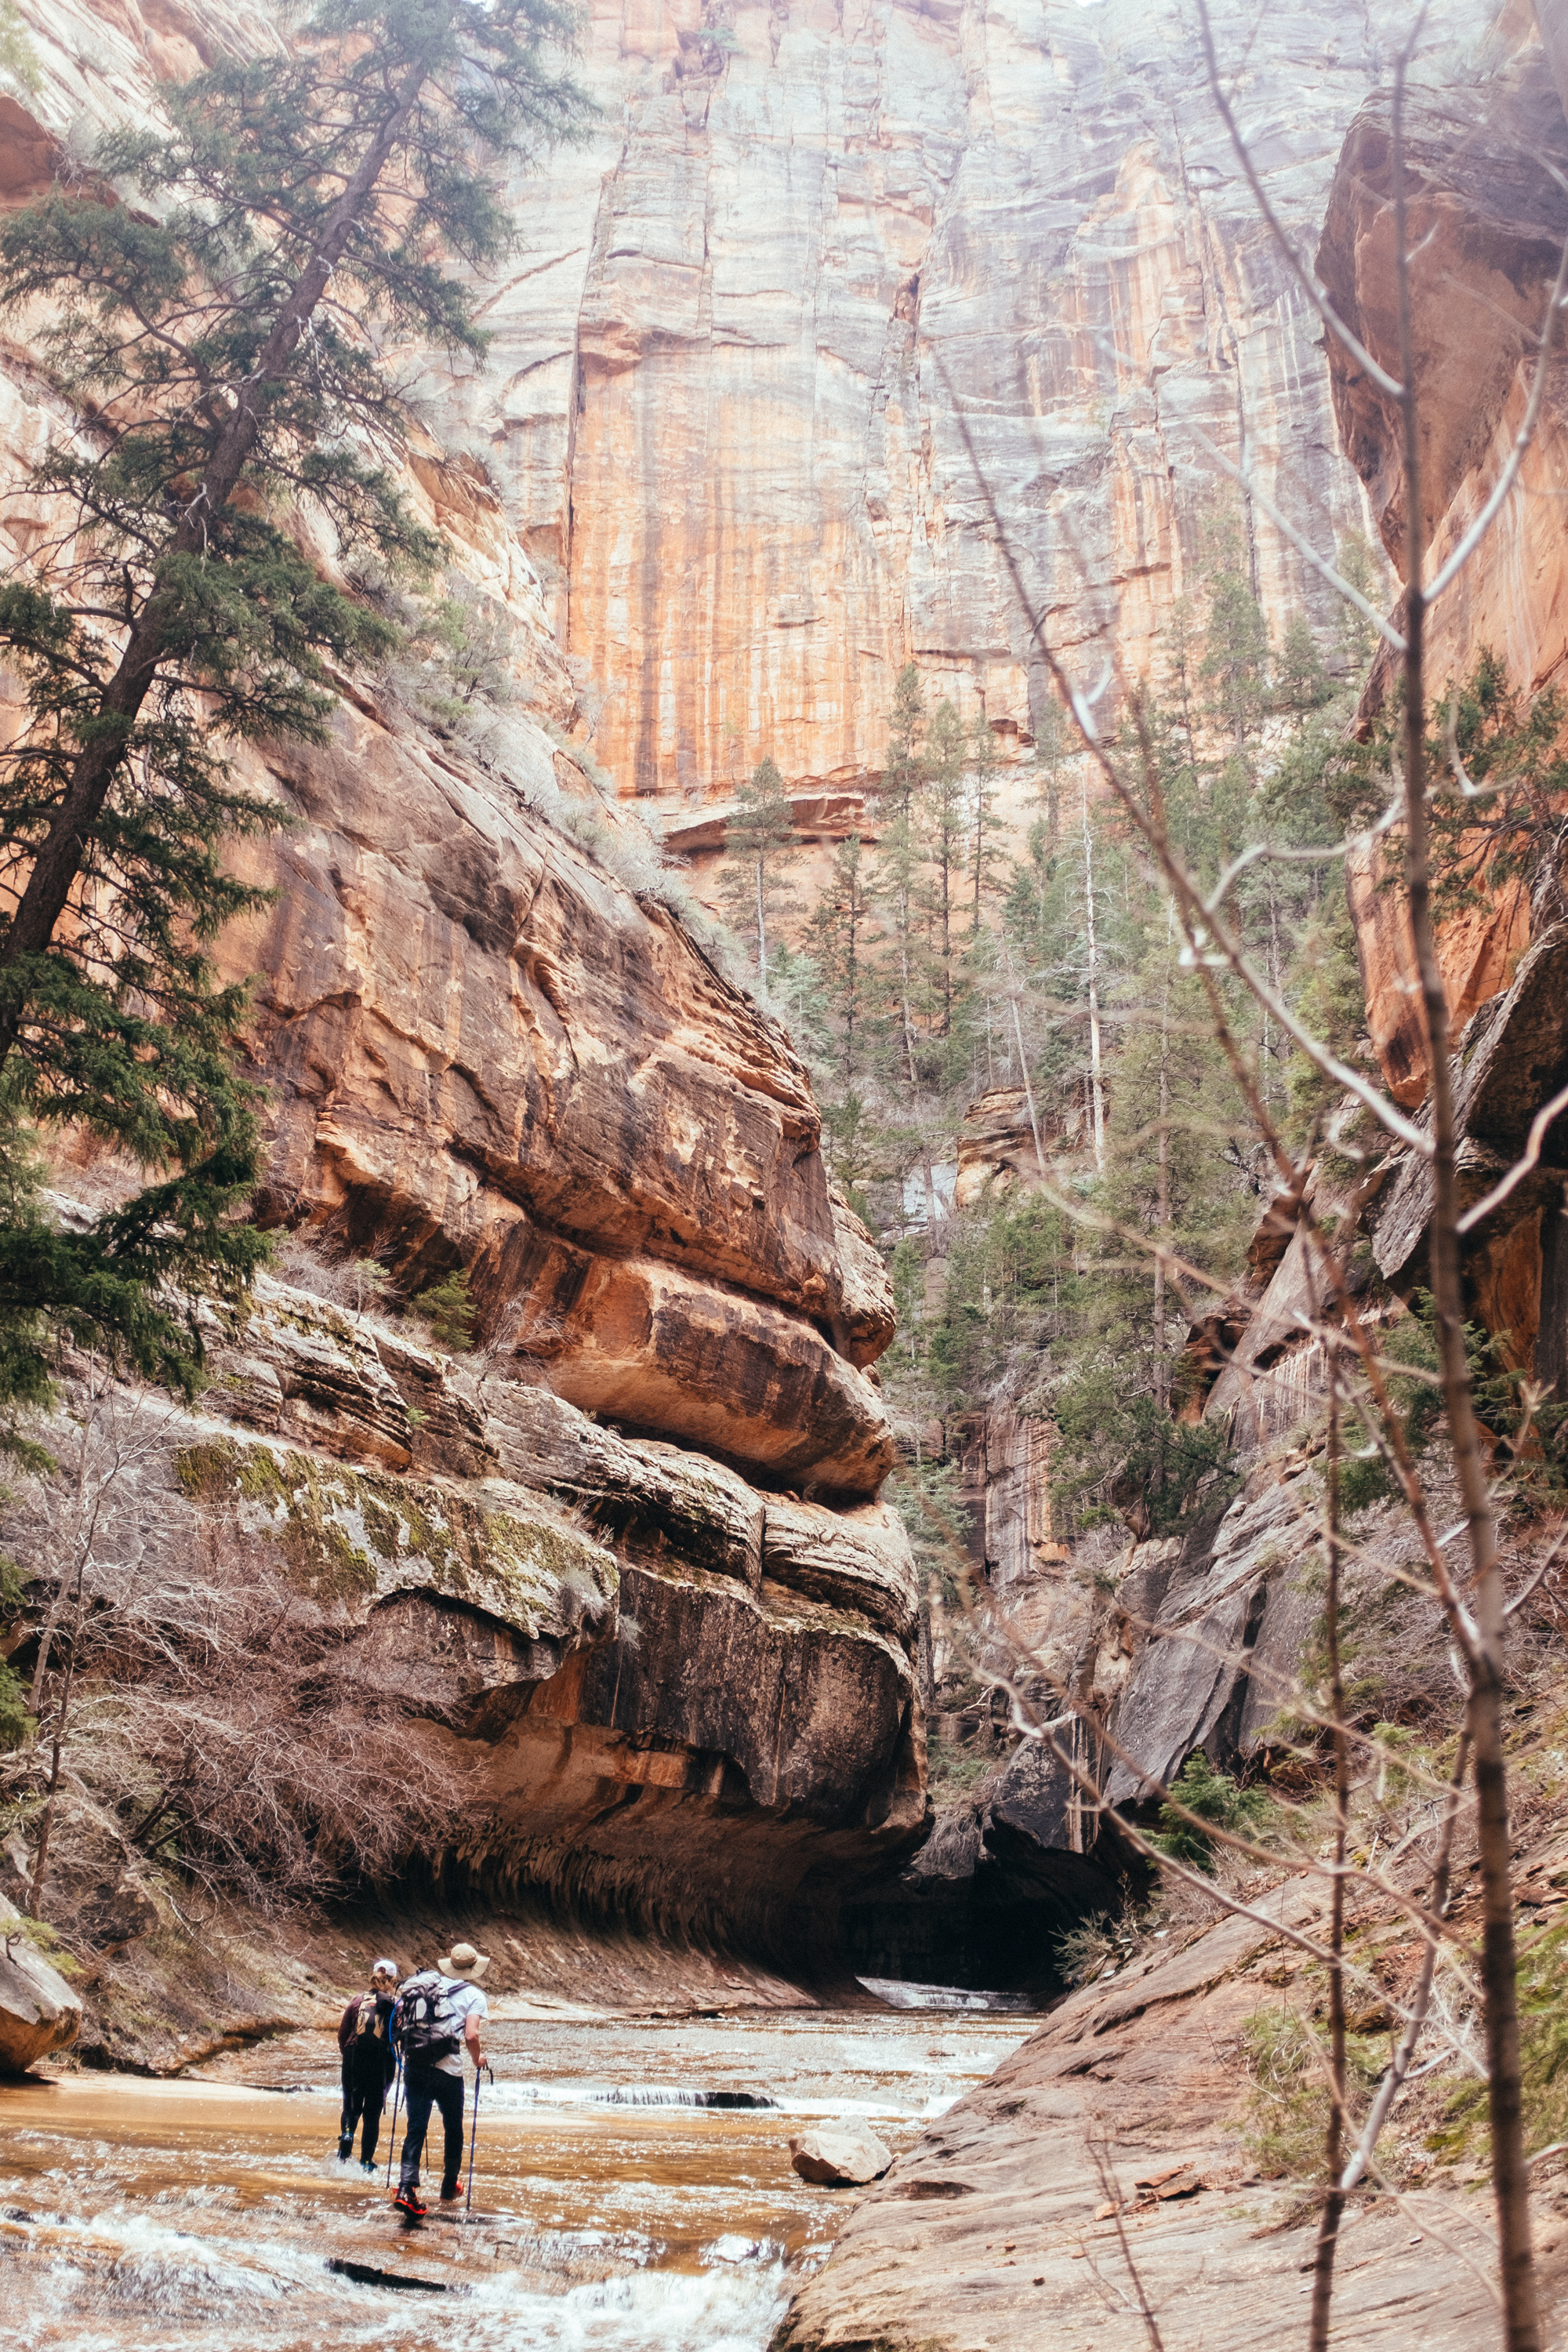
[838, 2155]
[38, 2010]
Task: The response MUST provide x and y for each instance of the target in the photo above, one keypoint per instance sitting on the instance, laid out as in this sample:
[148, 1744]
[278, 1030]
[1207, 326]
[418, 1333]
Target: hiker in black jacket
[440, 2012]
[364, 2039]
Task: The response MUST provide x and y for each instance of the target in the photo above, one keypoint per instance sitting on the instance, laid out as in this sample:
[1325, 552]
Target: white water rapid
[615, 2214]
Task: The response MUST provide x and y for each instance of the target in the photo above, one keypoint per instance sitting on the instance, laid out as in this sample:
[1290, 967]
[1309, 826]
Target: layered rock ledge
[1105, 2167]
[676, 1697]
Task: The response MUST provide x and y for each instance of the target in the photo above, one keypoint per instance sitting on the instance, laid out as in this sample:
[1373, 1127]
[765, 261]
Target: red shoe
[408, 2201]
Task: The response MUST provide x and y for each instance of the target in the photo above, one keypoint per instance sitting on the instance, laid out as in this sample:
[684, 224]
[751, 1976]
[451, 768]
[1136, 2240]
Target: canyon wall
[1488, 222]
[821, 264]
[812, 262]
[1196, 1640]
[627, 1569]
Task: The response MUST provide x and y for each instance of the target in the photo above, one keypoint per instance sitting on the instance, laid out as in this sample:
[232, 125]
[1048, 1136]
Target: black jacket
[363, 2039]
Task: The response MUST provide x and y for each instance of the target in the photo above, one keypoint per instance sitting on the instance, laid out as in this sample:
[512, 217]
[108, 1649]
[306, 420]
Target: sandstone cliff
[691, 1701]
[1488, 222]
[717, 475]
[807, 253]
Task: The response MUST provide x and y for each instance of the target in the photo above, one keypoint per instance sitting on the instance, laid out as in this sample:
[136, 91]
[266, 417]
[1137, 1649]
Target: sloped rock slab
[1100, 2163]
[1035, 1834]
[38, 2010]
[1220, 1655]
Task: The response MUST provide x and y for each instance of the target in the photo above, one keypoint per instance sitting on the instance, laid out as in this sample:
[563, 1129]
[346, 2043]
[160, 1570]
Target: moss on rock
[352, 1536]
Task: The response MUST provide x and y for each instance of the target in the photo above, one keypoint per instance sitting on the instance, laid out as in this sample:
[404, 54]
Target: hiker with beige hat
[438, 2012]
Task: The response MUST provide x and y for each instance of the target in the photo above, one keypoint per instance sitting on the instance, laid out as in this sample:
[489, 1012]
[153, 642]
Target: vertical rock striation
[811, 251]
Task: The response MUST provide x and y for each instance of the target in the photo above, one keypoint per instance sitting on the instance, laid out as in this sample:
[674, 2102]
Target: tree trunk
[1097, 1088]
[1333, 2203]
[60, 858]
[1511, 2179]
[1163, 1203]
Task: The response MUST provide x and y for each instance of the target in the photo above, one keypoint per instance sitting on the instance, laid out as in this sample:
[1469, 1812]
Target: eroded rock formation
[1488, 221]
[670, 1695]
[1112, 2158]
[481, 1049]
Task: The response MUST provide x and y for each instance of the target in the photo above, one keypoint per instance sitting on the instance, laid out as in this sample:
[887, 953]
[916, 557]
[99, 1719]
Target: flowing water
[612, 2212]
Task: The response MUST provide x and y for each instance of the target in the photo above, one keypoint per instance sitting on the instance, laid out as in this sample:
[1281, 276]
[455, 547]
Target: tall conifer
[840, 932]
[944, 841]
[760, 840]
[899, 792]
[173, 614]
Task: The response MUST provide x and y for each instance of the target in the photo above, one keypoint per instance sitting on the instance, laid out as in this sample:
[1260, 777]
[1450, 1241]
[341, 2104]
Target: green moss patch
[350, 1534]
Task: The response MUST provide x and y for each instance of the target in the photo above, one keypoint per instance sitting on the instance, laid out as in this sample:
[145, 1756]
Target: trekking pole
[473, 2144]
[392, 2135]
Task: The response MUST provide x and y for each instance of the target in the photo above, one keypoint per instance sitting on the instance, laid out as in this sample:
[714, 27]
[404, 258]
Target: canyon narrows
[791, 1433]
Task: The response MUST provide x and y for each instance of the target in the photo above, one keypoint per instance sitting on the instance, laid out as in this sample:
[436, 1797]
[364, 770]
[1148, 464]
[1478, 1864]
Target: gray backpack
[424, 2025]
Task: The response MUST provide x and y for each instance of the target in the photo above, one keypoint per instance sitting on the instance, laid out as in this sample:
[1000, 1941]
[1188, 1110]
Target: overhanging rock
[1512, 1058]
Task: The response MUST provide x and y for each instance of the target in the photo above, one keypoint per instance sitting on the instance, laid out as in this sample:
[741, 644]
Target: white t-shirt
[463, 2002]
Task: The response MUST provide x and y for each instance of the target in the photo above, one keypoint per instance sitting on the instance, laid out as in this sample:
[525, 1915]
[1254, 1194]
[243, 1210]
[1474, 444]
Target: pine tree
[944, 842]
[898, 791]
[446, 1306]
[1302, 681]
[839, 932]
[1234, 667]
[171, 614]
[1054, 746]
[1358, 562]
[760, 841]
[903, 775]
[1181, 643]
[985, 858]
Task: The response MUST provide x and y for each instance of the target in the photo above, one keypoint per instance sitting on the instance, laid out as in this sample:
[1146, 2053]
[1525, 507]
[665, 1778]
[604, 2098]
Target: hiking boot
[368, 2164]
[345, 2149]
[450, 2193]
[408, 2201]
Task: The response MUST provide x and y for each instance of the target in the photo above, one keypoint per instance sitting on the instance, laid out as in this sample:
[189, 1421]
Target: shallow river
[610, 2212]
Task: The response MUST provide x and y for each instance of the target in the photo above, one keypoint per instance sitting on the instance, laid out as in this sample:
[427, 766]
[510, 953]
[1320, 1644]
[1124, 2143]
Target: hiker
[438, 2011]
[364, 2038]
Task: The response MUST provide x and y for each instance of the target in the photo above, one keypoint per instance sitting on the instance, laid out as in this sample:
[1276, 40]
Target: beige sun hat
[462, 1960]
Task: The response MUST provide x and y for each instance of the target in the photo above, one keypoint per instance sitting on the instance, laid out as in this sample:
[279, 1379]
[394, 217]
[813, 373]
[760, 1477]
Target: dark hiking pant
[424, 2088]
[364, 2095]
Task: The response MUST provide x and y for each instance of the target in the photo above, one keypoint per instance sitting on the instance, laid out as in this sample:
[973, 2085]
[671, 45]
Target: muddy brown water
[616, 2216]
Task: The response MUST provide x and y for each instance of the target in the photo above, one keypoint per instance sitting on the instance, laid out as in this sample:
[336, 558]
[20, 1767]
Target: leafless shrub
[1454, 1573]
[185, 1687]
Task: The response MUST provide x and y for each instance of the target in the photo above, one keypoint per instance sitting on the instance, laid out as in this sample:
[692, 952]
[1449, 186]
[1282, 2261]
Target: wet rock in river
[838, 2155]
[38, 2010]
